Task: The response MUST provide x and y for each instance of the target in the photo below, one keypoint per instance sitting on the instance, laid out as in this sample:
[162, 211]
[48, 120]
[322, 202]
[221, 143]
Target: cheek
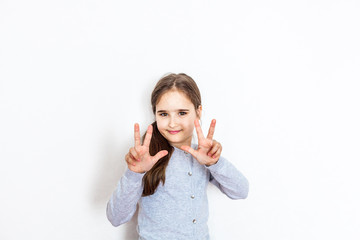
[191, 121]
[189, 126]
[160, 123]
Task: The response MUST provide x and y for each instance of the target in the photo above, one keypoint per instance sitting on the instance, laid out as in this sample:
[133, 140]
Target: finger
[134, 158]
[217, 154]
[137, 134]
[189, 150]
[129, 160]
[211, 129]
[198, 130]
[160, 155]
[134, 154]
[148, 136]
[214, 149]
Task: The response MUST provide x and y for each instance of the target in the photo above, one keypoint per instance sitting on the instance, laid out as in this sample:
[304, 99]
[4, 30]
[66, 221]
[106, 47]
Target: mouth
[174, 132]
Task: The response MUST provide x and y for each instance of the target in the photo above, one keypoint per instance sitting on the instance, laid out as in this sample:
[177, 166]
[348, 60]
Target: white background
[280, 77]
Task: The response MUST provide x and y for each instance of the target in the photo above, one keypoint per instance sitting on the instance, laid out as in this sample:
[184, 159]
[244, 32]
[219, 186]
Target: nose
[172, 122]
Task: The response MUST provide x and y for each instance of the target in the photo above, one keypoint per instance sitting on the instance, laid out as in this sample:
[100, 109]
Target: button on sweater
[179, 208]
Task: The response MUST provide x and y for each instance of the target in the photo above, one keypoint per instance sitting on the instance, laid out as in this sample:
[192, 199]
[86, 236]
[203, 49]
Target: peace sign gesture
[138, 159]
[209, 150]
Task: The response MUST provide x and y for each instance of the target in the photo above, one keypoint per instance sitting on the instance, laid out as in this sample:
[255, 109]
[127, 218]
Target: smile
[174, 132]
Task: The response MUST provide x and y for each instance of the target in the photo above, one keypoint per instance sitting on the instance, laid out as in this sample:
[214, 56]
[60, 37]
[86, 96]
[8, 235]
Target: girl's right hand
[138, 159]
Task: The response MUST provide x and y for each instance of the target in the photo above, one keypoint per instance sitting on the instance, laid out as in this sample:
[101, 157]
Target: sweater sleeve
[228, 179]
[122, 204]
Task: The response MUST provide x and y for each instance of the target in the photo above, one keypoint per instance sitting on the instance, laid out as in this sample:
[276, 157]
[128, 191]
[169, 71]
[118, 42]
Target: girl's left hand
[209, 150]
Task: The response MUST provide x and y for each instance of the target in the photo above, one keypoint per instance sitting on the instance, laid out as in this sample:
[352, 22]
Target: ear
[199, 111]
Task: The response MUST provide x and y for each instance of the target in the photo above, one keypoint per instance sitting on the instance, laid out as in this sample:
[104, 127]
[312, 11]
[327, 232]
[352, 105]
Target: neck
[185, 143]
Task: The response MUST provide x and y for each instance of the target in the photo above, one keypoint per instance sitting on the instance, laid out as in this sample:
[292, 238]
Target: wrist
[136, 170]
[133, 176]
[212, 163]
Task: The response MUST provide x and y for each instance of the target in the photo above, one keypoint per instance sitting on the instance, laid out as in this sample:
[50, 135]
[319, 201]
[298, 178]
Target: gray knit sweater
[179, 208]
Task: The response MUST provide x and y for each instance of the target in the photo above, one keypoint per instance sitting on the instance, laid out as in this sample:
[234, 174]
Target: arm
[228, 179]
[222, 173]
[122, 204]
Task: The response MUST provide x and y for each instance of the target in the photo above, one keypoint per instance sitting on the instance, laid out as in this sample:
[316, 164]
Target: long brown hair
[187, 85]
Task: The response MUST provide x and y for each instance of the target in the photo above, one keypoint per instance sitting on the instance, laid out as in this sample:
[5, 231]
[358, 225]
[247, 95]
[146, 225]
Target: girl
[167, 175]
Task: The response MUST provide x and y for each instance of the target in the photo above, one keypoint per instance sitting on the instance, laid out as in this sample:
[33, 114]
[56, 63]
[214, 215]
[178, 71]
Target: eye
[182, 113]
[163, 114]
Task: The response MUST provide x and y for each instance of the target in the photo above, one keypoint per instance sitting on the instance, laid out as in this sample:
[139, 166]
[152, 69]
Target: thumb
[189, 150]
[160, 155]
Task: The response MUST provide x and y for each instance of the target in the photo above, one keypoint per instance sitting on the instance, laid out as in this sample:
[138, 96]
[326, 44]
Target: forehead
[173, 100]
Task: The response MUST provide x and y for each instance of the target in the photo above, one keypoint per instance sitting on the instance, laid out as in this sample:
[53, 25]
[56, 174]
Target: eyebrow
[179, 110]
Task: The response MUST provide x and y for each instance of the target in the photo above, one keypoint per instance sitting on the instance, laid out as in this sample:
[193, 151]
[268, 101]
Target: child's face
[175, 115]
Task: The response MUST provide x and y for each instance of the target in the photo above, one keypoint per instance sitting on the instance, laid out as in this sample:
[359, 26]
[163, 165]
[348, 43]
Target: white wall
[280, 77]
